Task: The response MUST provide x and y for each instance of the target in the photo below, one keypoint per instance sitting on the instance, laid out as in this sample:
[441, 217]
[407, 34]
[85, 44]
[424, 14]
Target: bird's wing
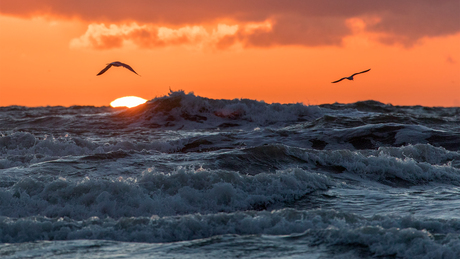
[339, 80]
[361, 72]
[128, 67]
[105, 69]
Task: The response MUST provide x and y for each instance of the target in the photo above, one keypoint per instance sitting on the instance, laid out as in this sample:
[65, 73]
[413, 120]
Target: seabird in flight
[351, 77]
[116, 64]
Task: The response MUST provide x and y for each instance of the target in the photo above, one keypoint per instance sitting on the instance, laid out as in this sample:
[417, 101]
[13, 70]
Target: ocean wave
[183, 167]
[337, 132]
[395, 166]
[24, 148]
[179, 110]
[406, 164]
[402, 237]
[379, 107]
[187, 111]
[182, 191]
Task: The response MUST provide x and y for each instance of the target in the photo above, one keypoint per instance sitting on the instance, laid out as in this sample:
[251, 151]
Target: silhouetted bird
[351, 77]
[116, 64]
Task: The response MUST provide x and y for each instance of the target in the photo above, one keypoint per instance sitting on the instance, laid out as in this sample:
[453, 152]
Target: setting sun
[128, 101]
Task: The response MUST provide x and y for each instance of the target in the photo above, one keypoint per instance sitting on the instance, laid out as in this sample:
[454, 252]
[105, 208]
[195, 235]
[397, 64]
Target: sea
[184, 176]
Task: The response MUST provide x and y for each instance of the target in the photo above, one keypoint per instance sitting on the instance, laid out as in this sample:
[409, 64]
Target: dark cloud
[414, 21]
[295, 22]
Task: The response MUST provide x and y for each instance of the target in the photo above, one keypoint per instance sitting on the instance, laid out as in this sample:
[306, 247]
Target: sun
[128, 101]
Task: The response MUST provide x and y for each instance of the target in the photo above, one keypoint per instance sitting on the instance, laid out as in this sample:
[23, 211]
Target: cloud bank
[255, 23]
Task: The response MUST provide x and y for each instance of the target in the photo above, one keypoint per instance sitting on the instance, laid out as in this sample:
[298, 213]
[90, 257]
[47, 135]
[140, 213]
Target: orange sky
[276, 51]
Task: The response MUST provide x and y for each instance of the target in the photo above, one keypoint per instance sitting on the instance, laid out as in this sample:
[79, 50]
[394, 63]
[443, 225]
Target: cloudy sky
[272, 50]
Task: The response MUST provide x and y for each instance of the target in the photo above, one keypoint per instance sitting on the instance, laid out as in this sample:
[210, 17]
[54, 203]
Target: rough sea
[184, 176]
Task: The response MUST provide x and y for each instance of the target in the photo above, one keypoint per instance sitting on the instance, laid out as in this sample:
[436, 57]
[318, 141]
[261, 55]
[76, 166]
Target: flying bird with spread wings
[351, 77]
[116, 64]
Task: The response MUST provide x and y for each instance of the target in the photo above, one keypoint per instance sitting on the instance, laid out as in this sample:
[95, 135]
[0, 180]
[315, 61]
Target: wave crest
[187, 111]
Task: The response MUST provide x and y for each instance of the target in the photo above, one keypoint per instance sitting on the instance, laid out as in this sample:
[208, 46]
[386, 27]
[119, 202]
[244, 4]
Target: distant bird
[351, 77]
[116, 64]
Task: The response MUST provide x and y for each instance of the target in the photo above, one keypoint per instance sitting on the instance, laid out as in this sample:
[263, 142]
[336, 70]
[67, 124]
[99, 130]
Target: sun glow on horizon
[128, 101]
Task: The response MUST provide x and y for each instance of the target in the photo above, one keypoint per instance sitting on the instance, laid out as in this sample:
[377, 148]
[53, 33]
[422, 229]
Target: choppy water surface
[185, 176]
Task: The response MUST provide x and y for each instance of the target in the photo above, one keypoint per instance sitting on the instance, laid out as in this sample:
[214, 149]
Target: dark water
[184, 176]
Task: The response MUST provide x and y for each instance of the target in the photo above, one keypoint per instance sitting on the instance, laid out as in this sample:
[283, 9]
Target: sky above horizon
[271, 50]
